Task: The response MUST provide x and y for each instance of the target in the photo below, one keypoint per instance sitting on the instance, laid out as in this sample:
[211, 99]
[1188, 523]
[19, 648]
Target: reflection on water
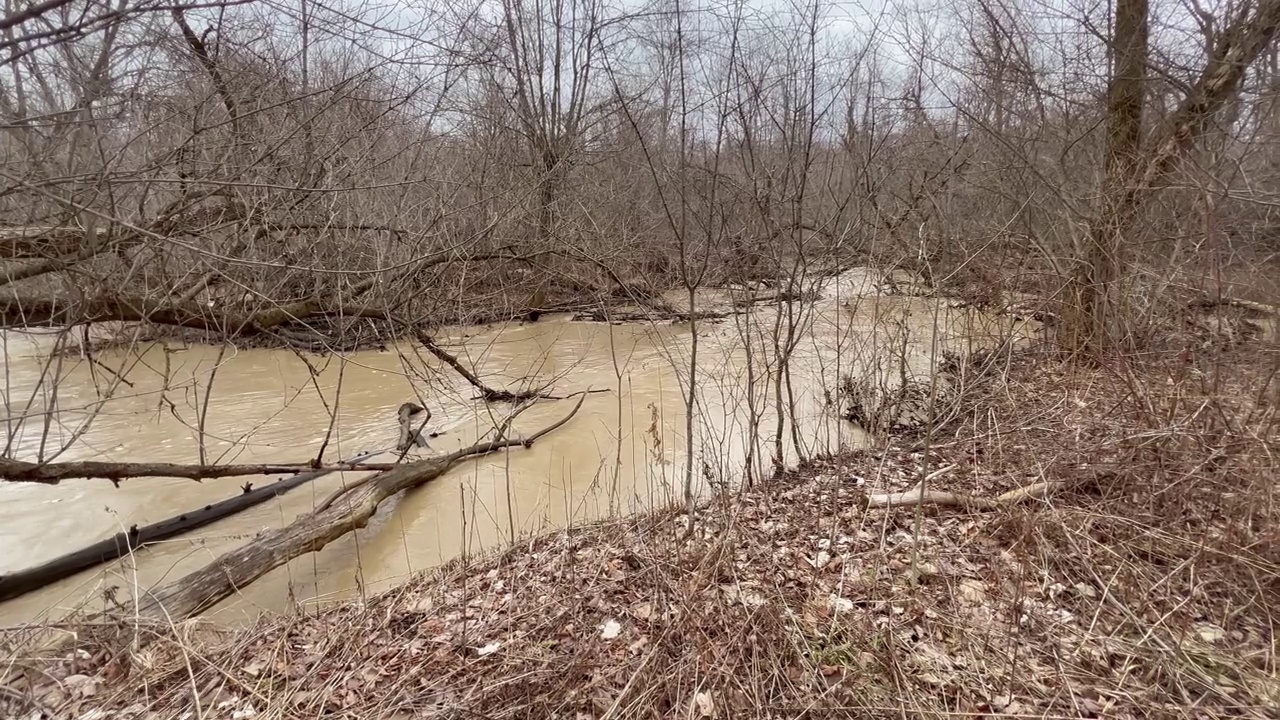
[625, 450]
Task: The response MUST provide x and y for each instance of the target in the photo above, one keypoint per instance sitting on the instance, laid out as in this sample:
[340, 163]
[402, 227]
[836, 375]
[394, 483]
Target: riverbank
[323, 335]
[1137, 581]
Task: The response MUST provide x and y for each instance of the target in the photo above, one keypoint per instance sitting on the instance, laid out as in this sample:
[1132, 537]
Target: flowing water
[623, 451]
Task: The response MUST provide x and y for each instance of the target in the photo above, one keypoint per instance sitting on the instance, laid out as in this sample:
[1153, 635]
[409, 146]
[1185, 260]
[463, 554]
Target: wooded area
[326, 179]
[240, 170]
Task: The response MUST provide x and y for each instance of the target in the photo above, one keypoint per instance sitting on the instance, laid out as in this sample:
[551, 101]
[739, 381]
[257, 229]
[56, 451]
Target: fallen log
[39, 242]
[19, 583]
[1252, 306]
[918, 496]
[598, 315]
[234, 570]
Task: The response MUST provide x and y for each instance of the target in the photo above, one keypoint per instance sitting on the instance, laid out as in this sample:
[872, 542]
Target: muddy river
[624, 451]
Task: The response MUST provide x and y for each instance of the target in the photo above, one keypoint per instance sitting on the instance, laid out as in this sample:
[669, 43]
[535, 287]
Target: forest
[328, 187]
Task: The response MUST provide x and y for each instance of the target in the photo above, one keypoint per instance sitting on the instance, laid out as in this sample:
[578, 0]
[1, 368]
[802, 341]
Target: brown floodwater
[624, 451]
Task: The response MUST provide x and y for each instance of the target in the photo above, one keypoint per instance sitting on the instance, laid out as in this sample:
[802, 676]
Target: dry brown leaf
[973, 592]
[706, 705]
[1210, 633]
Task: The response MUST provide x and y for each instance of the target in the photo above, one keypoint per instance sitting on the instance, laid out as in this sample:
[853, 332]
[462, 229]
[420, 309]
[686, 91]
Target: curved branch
[487, 393]
[207, 62]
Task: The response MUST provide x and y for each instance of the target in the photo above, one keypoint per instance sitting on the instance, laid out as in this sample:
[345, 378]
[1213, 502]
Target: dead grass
[1143, 588]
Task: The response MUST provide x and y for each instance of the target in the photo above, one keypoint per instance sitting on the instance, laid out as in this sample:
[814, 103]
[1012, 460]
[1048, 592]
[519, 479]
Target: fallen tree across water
[54, 473]
[349, 511]
[19, 583]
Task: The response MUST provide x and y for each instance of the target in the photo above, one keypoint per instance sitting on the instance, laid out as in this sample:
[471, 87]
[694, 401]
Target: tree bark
[1104, 265]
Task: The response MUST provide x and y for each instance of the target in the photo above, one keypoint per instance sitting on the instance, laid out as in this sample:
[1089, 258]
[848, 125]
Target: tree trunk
[1099, 315]
[1130, 173]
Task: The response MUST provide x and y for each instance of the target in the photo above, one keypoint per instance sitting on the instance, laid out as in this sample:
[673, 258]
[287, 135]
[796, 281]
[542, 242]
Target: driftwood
[232, 571]
[1252, 306]
[666, 313]
[24, 581]
[672, 316]
[917, 496]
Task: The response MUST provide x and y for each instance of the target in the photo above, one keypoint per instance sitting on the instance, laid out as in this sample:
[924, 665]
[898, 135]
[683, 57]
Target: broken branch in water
[487, 393]
[55, 473]
[232, 571]
[498, 434]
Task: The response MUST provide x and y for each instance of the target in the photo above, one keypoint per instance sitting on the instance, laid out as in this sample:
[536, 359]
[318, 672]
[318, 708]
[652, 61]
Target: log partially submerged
[349, 511]
[22, 582]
